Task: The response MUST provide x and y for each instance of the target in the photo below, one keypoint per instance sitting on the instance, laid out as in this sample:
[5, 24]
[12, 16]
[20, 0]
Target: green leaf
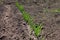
[20, 7]
[37, 28]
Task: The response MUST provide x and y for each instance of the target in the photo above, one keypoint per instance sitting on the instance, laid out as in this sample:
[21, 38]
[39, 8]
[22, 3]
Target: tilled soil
[13, 26]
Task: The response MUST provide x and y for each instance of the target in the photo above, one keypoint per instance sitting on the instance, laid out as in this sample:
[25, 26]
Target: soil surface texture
[13, 26]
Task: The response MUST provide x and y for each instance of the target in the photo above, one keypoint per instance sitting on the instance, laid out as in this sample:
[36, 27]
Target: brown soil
[13, 26]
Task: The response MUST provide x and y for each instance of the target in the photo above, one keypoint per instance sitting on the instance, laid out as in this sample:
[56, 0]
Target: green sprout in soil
[36, 28]
[52, 10]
